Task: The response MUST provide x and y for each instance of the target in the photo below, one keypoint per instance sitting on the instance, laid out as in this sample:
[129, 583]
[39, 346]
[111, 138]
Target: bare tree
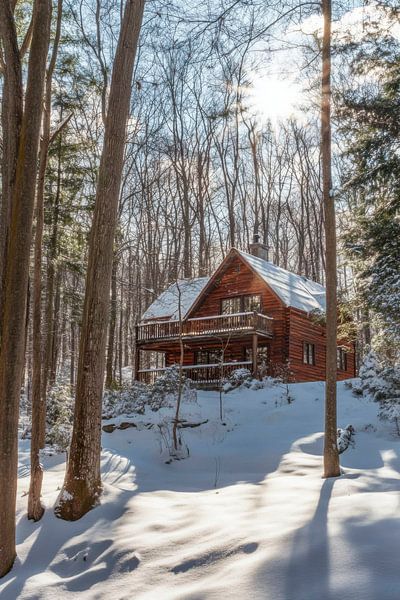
[331, 455]
[82, 485]
[17, 262]
[35, 508]
[180, 372]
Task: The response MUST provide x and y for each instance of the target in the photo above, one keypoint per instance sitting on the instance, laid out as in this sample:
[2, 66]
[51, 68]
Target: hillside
[246, 515]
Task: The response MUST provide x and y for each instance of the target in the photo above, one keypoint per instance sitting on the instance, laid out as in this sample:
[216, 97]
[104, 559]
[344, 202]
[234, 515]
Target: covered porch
[206, 361]
[204, 375]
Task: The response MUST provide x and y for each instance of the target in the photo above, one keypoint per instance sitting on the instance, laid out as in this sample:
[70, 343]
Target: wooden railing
[205, 326]
[157, 330]
[202, 374]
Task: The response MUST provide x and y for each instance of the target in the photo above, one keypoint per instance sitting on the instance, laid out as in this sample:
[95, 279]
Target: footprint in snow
[214, 557]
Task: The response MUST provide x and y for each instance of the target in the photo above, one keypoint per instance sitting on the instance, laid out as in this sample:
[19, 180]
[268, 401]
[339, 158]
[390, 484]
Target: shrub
[237, 378]
[59, 417]
[165, 389]
[131, 398]
[382, 382]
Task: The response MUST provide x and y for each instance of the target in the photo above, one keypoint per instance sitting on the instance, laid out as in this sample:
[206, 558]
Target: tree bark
[11, 118]
[82, 484]
[111, 328]
[16, 279]
[51, 279]
[331, 455]
[35, 508]
[181, 362]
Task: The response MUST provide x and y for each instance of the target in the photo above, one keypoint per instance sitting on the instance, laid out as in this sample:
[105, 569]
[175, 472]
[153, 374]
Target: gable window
[252, 303]
[341, 359]
[308, 353]
[230, 306]
[237, 304]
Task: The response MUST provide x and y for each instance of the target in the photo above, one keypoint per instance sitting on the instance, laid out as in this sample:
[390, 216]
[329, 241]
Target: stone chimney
[257, 248]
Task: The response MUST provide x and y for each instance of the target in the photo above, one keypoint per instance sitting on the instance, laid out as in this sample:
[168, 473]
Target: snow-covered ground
[246, 516]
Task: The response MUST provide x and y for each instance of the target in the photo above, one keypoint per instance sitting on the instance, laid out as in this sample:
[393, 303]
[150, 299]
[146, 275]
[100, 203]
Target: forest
[139, 143]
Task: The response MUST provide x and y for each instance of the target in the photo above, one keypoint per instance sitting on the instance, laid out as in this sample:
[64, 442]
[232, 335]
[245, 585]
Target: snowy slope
[246, 516]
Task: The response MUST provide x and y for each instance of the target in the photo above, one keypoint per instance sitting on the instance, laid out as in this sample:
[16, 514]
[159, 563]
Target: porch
[202, 327]
[203, 375]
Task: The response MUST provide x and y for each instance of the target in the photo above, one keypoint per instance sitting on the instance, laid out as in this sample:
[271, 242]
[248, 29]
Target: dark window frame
[241, 298]
[261, 350]
[341, 357]
[259, 296]
[309, 354]
[230, 298]
[207, 351]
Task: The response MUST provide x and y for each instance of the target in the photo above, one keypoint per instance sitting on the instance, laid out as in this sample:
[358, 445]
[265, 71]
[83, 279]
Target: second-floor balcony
[209, 326]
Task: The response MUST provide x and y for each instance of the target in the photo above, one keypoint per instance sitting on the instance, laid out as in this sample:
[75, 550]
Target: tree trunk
[331, 455]
[11, 118]
[181, 362]
[35, 508]
[82, 485]
[16, 279]
[51, 280]
[111, 327]
[55, 340]
[121, 330]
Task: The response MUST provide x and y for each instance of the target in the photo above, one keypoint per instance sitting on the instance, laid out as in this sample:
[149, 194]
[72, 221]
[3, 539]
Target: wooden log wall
[302, 329]
[291, 328]
[239, 279]
[234, 352]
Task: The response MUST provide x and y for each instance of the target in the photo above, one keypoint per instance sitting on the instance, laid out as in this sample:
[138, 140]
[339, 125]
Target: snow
[167, 304]
[294, 290]
[246, 515]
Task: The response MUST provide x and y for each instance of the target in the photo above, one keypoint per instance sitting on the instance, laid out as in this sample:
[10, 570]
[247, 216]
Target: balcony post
[136, 355]
[254, 354]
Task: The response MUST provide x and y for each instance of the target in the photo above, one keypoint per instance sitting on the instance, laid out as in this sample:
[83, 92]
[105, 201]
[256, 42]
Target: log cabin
[249, 314]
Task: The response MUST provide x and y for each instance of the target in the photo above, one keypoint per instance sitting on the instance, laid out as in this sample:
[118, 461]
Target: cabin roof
[166, 306]
[293, 290]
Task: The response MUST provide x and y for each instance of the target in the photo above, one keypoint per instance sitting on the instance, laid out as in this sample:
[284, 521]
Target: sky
[277, 91]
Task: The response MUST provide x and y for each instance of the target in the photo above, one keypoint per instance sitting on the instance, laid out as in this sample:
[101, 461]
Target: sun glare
[274, 99]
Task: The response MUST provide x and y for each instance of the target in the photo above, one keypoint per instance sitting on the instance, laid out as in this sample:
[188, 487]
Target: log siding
[284, 333]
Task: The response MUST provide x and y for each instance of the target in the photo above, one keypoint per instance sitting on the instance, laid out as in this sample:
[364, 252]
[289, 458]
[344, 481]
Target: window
[214, 356]
[262, 355]
[252, 303]
[237, 304]
[230, 306]
[201, 357]
[308, 353]
[341, 359]
[208, 357]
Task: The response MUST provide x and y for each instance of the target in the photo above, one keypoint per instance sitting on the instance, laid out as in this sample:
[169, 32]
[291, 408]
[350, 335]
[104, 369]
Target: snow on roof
[166, 306]
[294, 290]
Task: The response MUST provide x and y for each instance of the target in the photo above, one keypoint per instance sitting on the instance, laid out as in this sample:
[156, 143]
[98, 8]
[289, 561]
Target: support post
[254, 354]
[136, 358]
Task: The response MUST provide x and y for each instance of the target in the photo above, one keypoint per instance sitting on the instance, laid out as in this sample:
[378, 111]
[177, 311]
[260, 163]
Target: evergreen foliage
[371, 125]
[59, 414]
[382, 381]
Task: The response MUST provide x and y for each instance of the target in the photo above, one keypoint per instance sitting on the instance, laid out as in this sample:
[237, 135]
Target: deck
[203, 375]
[205, 327]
